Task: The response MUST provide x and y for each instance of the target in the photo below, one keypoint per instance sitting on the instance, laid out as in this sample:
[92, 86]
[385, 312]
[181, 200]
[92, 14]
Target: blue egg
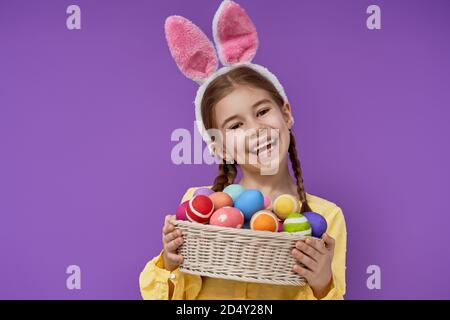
[318, 223]
[234, 190]
[249, 202]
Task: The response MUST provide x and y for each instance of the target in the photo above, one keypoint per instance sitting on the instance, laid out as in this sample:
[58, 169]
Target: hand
[172, 239]
[315, 257]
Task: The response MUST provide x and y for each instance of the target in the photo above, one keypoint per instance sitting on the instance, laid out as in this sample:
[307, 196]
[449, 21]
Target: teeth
[265, 150]
[269, 145]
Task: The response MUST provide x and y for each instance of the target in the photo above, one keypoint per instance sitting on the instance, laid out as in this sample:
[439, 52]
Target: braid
[293, 156]
[227, 174]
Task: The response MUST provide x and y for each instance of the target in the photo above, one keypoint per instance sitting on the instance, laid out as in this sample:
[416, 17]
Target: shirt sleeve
[154, 282]
[154, 279]
[337, 230]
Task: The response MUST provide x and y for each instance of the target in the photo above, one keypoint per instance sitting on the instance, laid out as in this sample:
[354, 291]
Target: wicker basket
[238, 254]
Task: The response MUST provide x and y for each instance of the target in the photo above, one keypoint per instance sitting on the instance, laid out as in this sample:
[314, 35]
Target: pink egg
[267, 202]
[227, 217]
[280, 225]
[180, 214]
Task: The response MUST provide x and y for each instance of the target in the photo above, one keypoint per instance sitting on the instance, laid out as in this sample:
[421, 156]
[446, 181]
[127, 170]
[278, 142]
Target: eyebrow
[253, 106]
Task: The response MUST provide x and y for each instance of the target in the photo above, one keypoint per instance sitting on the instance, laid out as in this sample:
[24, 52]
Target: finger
[176, 258]
[302, 271]
[168, 227]
[171, 218]
[172, 235]
[329, 241]
[317, 245]
[304, 259]
[166, 219]
[308, 250]
[173, 245]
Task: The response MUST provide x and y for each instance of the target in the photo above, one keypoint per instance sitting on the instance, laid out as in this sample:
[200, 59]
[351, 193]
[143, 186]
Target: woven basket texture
[238, 254]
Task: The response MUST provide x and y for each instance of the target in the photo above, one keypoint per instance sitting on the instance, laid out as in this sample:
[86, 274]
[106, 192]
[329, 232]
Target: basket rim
[242, 232]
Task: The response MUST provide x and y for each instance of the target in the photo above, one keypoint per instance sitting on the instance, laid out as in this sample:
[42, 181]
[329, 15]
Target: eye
[263, 112]
[235, 126]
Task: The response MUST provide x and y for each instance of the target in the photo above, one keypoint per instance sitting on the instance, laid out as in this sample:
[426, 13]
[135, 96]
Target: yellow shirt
[153, 280]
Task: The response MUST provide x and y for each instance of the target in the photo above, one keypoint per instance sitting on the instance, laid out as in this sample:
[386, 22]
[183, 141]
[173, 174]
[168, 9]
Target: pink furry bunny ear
[191, 49]
[234, 34]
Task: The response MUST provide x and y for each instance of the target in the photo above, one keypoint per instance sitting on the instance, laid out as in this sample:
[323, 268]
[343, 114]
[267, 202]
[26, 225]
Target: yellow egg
[284, 205]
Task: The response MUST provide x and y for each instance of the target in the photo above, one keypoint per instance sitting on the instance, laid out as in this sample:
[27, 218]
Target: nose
[255, 127]
[255, 132]
[257, 135]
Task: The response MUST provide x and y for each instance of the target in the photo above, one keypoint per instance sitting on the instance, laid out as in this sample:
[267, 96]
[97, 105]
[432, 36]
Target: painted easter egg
[296, 222]
[249, 202]
[267, 203]
[318, 223]
[280, 225]
[203, 191]
[234, 190]
[200, 209]
[227, 217]
[264, 220]
[180, 214]
[221, 199]
[284, 205]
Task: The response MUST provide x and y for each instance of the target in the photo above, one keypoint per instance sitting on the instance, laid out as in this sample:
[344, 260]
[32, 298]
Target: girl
[241, 99]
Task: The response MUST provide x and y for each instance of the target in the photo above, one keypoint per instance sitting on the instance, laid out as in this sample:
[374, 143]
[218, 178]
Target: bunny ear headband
[236, 41]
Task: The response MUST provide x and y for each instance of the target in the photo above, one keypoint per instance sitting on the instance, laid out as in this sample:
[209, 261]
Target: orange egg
[264, 220]
[221, 199]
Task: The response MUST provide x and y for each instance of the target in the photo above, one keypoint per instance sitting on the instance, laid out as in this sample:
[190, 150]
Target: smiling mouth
[265, 147]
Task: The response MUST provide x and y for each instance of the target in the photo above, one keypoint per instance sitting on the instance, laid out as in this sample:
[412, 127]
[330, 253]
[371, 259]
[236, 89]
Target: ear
[212, 148]
[234, 34]
[287, 114]
[191, 49]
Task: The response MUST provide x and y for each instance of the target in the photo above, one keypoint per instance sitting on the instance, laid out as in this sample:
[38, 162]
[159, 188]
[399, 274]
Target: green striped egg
[296, 222]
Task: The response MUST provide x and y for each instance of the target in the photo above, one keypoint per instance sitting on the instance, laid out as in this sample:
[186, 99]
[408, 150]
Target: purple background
[86, 118]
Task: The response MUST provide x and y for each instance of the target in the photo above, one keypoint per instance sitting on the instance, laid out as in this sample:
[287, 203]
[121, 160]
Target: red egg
[200, 209]
[180, 214]
[221, 199]
[227, 217]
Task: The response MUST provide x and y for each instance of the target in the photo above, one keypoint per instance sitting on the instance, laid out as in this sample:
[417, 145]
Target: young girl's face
[254, 129]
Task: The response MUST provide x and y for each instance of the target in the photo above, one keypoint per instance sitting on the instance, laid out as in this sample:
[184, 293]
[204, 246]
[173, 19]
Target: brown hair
[218, 89]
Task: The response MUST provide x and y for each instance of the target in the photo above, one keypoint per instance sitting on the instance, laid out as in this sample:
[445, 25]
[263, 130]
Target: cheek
[234, 146]
[285, 135]
[285, 141]
[276, 121]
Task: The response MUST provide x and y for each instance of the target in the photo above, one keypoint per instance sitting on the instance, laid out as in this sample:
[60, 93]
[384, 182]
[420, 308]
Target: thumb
[329, 241]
